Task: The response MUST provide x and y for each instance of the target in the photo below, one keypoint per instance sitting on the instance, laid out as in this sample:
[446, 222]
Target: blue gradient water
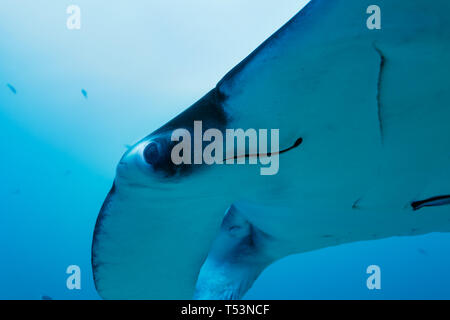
[139, 64]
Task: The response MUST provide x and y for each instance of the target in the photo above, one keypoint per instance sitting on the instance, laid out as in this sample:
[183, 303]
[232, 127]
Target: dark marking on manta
[379, 84]
[295, 145]
[208, 109]
[431, 202]
[355, 205]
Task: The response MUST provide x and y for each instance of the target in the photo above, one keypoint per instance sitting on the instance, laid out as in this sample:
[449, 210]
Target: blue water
[70, 102]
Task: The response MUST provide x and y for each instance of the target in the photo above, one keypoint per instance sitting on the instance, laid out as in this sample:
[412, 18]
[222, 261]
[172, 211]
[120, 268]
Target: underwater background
[72, 100]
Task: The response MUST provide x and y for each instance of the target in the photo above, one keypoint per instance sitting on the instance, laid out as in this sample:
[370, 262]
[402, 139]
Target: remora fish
[373, 110]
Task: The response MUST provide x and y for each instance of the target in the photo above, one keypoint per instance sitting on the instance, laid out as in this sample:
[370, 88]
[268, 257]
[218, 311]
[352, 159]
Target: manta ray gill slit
[379, 85]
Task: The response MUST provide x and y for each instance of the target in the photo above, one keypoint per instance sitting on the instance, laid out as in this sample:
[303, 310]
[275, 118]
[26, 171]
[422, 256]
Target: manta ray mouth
[268, 154]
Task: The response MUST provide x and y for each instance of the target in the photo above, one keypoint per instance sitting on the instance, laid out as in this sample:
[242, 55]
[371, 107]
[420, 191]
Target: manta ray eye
[152, 153]
[157, 154]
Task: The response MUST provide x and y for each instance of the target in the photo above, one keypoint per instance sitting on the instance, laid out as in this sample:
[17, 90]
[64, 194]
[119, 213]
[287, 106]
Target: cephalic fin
[235, 260]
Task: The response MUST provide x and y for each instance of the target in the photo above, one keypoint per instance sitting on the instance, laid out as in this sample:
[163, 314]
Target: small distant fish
[16, 192]
[10, 86]
[84, 93]
[422, 251]
[46, 298]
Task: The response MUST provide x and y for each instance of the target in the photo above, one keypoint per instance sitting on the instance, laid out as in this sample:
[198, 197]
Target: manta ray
[372, 111]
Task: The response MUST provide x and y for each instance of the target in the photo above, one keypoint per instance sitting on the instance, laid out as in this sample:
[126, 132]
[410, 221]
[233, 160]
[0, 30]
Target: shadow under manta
[372, 108]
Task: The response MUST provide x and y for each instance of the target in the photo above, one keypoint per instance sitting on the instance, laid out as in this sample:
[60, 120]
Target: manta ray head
[155, 209]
